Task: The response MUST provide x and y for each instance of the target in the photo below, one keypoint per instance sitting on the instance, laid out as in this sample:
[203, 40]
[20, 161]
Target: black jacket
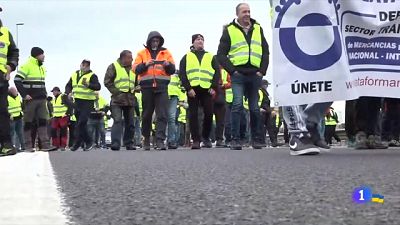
[93, 84]
[12, 59]
[183, 76]
[225, 45]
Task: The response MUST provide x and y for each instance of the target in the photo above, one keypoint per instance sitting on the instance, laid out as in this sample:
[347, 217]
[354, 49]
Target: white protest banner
[327, 50]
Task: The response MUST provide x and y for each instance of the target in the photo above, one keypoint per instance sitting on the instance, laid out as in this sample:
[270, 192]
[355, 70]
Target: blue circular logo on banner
[290, 46]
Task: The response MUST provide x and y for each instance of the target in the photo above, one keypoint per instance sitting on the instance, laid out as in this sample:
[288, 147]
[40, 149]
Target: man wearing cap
[243, 53]
[82, 86]
[62, 109]
[9, 55]
[120, 81]
[30, 82]
[154, 65]
[200, 73]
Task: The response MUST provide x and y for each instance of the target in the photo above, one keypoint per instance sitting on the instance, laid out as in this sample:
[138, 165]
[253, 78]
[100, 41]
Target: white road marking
[29, 192]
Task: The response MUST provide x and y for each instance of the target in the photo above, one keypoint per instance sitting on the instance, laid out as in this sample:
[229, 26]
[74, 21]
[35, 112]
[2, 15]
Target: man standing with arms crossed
[243, 53]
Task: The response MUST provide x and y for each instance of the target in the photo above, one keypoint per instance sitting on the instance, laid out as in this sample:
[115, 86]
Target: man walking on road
[243, 53]
[154, 65]
[30, 82]
[120, 81]
[200, 74]
[82, 85]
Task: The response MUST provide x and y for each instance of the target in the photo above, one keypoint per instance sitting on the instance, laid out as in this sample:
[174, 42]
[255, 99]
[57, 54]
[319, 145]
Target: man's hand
[138, 88]
[84, 82]
[191, 93]
[150, 63]
[211, 91]
[259, 74]
[7, 77]
[28, 98]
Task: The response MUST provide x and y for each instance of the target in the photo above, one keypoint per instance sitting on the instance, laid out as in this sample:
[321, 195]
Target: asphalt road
[219, 186]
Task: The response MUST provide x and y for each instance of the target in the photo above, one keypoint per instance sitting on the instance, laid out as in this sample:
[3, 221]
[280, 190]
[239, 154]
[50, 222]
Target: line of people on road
[210, 97]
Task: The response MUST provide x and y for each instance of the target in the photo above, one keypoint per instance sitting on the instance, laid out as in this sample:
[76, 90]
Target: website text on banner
[328, 50]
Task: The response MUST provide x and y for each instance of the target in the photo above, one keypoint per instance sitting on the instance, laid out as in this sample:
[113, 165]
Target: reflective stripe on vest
[260, 98]
[14, 106]
[79, 90]
[4, 43]
[182, 115]
[156, 71]
[33, 75]
[199, 74]
[123, 81]
[240, 51]
[229, 95]
[174, 86]
[60, 110]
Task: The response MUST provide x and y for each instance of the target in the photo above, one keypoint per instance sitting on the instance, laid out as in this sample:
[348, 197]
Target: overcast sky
[69, 31]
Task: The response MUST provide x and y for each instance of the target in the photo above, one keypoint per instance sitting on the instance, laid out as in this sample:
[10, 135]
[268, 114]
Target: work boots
[28, 141]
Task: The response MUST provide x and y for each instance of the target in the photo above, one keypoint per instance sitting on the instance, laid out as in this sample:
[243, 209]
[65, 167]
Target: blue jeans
[248, 86]
[173, 102]
[127, 125]
[17, 135]
[97, 126]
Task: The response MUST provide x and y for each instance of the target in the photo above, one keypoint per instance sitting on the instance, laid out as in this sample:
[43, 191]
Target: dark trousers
[158, 101]
[71, 133]
[350, 119]
[59, 131]
[330, 132]
[269, 125]
[127, 124]
[391, 119]
[204, 99]
[219, 112]
[5, 138]
[367, 114]
[82, 113]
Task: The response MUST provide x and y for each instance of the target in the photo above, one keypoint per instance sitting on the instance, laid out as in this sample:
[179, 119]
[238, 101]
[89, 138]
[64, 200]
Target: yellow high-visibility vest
[123, 81]
[241, 52]
[5, 42]
[14, 106]
[199, 73]
[60, 110]
[80, 91]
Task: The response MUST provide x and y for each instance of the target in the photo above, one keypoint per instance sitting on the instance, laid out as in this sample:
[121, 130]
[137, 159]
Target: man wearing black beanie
[30, 82]
[199, 72]
[9, 55]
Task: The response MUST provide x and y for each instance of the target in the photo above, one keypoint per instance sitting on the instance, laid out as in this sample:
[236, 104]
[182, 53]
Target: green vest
[229, 95]
[260, 98]
[240, 52]
[331, 120]
[80, 91]
[60, 109]
[4, 43]
[33, 75]
[123, 81]
[100, 103]
[277, 120]
[139, 100]
[174, 86]
[182, 115]
[199, 74]
[14, 106]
